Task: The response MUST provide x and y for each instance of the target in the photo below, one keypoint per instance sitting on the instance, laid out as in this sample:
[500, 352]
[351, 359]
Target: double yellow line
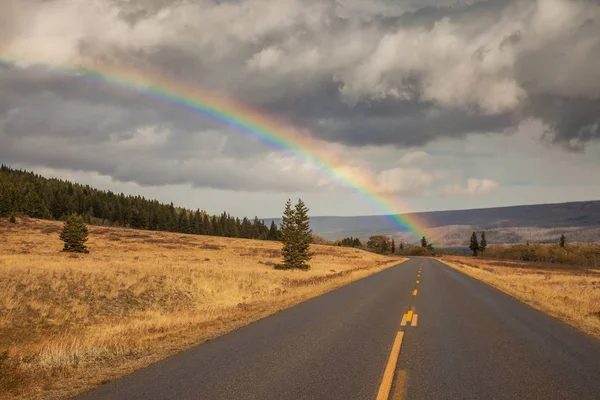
[390, 369]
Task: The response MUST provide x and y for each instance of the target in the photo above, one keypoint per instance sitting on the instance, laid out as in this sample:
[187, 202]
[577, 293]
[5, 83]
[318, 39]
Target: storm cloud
[355, 73]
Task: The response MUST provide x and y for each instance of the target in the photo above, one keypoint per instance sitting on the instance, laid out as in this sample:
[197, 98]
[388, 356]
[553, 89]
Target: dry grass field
[71, 322]
[569, 293]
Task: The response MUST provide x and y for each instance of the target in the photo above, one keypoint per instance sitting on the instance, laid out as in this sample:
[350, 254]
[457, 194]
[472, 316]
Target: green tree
[296, 236]
[273, 232]
[304, 235]
[74, 234]
[288, 236]
[424, 242]
[474, 245]
[563, 240]
[483, 243]
[393, 246]
[379, 244]
[12, 219]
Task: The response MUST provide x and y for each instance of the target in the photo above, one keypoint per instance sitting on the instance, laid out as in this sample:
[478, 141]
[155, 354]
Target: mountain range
[579, 221]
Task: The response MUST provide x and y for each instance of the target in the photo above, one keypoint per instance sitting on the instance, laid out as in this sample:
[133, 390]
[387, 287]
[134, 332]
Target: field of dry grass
[71, 322]
[568, 293]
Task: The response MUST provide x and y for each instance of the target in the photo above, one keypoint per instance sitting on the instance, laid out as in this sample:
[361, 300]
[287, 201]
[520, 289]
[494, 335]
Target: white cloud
[474, 187]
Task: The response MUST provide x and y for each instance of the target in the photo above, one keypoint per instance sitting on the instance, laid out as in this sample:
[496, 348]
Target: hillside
[580, 221]
[70, 322]
[24, 192]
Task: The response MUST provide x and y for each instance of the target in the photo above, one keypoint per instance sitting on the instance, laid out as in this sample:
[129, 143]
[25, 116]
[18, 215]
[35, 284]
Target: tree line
[39, 197]
[382, 244]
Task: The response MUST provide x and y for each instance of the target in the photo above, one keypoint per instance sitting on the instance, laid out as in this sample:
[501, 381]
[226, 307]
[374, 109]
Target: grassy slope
[71, 322]
[571, 294]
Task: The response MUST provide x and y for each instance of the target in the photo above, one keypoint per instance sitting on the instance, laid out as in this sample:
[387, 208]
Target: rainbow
[242, 119]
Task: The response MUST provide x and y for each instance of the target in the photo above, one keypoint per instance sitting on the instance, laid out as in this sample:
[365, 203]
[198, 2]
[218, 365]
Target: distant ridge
[506, 224]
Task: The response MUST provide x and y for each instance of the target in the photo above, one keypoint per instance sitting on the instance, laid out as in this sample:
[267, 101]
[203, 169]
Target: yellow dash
[415, 292]
[388, 374]
[409, 316]
[418, 281]
[414, 320]
[398, 393]
[403, 323]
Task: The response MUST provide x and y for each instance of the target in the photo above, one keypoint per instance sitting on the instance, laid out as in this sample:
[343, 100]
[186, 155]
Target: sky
[447, 104]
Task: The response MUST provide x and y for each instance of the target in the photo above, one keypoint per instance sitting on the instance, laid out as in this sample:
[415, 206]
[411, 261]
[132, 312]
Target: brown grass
[571, 295]
[71, 322]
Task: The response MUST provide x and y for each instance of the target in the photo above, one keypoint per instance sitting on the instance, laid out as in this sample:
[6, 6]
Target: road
[419, 330]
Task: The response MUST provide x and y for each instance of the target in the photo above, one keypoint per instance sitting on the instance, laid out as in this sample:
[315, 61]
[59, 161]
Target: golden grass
[570, 294]
[71, 322]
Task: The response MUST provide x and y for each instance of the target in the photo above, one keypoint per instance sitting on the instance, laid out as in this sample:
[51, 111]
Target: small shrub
[74, 234]
[12, 219]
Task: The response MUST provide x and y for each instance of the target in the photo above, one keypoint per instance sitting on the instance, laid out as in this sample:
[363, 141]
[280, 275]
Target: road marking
[409, 316]
[388, 374]
[417, 281]
[403, 323]
[414, 320]
[415, 292]
[398, 393]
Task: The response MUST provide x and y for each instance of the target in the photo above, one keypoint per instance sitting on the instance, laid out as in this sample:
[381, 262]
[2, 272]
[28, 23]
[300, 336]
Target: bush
[12, 219]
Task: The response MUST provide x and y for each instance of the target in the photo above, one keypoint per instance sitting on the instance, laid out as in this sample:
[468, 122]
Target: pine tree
[393, 246]
[424, 242]
[288, 236]
[303, 234]
[563, 240]
[74, 234]
[273, 232]
[474, 245]
[483, 243]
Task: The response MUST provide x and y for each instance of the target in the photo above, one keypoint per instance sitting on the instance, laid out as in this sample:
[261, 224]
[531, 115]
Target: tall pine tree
[289, 238]
[304, 235]
[474, 244]
[483, 243]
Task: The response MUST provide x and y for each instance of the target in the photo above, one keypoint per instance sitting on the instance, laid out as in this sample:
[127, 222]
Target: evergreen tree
[74, 234]
[303, 234]
[424, 242]
[393, 246]
[296, 236]
[474, 245]
[289, 238]
[273, 232]
[401, 246]
[482, 243]
[563, 240]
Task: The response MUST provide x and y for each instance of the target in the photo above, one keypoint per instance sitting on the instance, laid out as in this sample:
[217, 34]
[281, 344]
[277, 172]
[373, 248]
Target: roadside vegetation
[71, 321]
[382, 244]
[570, 293]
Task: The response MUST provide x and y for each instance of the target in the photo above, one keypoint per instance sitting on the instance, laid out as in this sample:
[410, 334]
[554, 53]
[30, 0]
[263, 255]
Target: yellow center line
[417, 281]
[409, 316]
[390, 368]
[415, 292]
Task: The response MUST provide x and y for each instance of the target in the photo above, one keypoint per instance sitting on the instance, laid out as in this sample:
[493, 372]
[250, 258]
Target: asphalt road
[460, 340]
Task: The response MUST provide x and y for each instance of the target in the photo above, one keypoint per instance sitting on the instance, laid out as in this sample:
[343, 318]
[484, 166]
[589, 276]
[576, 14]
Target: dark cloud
[401, 73]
